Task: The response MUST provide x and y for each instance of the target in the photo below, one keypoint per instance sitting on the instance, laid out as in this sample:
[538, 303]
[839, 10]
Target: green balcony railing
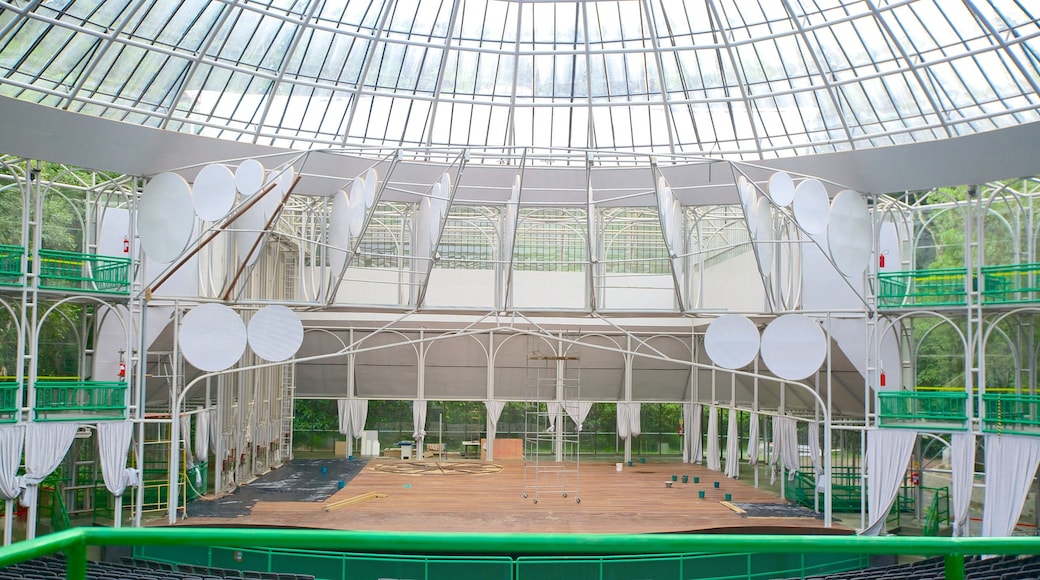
[1011, 413]
[1013, 283]
[910, 288]
[84, 272]
[11, 265]
[70, 401]
[915, 410]
[8, 402]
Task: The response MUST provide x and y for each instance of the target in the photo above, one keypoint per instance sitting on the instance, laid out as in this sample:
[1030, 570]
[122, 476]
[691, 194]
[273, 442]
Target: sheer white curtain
[494, 411]
[1011, 462]
[888, 454]
[113, 445]
[733, 446]
[697, 441]
[623, 422]
[635, 425]
[788, 435]
[688, 439]
[12, 438]
[45, 446]
[714, 462]
[353, 413]
[817, 455]
[774, 450]
[202, 427]
[962, 468]
[418, 425]
[578, 411]
[753, 444]
[554, 410]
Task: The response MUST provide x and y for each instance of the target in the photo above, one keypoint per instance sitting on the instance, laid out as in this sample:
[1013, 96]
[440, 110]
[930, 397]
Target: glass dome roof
[735, 78]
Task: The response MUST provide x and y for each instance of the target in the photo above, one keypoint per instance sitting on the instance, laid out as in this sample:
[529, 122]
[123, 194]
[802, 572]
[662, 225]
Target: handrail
[74, 543]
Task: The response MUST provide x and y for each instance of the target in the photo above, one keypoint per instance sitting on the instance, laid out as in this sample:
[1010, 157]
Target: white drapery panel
[622, 421]
[214, 429]
[578, 411]
[697, 447]
[687, 439]
[1011, 462]
[113, 445]
[635, 419]
[789, 445]
[353, 413]
[418, 421]
[12, 437]
[817, 455]
[888, 454]
[202, 423]
[733, 446]
[554, 410]
[189, 457]
[753, 444]
[494, 411]
[45, 446]
[962, 468]
[774, 449]
[714, 461]
[628, 420]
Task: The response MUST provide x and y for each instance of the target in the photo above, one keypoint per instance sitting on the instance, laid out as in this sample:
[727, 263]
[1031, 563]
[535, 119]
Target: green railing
[938, 511]
[910, 288]
[52, 507]
[846, 491]
[11, 265]
[597, 550]
[70, 401]
[61, 270]
[8, 401]
[1011, 283]
[917, 410]
[1011, 413]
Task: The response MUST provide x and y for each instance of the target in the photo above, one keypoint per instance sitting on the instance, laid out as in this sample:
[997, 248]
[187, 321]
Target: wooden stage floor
[475, 496]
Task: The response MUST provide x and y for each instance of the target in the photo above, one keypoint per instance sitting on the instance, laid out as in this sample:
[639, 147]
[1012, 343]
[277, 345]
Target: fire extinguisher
[122, 370]
[126, 244]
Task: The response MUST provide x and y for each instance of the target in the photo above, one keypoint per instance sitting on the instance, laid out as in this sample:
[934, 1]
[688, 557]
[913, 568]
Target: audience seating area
[997, 568]
[53, 568]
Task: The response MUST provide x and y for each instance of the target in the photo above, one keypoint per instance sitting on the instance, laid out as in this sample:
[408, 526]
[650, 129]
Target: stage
[478, 496]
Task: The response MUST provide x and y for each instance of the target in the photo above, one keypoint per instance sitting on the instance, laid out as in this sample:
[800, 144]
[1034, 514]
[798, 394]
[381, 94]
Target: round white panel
[731, 341]
[275, 333]
[213, 270]
[371, 184]
[849, 233]
[339, 233]
[889, 247]
[676, 227]
[356, 206]
[249, 177]
[249, 227]
[748, 196]
[445, 185]
[212, 337]
[165, 218]
[213, 193]
[282, 182]
[793, 347]
[781, 188]
[811, 206]
[763, 235]
[432, 214]
[664, 198]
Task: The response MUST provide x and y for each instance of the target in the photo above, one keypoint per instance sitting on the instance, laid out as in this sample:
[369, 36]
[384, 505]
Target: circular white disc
[283, 181]
[676, 227]
[793, 346]
[781, 189]
[849, 233]
[433, 213]
[371, 184]
[811, 206]
[445, 185]
[249, 226]
[763, 235]
[339, 233]
[212, 337]
[213, 193]
[165, 218]
[889, 247]
[748, 196]
[731, 341]
[275, 333]
[356, 205]
[249, 177]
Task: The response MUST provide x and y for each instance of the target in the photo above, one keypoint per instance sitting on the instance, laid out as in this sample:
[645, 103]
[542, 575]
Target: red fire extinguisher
[126, 244]
[122, 370]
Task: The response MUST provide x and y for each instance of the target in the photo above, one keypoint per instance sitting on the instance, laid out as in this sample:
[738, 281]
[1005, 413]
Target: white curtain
[45, 446]
[418, 422]
[697, 430]
[962, 468]
[774, 449]
[494, 411]
[789, 445]
[1011, 462]
[714, 462]
[888, 454]
[554, 411]
[817, 455]
[12, 437]
[578, 411]
[635, 425]
[353, 413]
[113, 445]
[202, 435]
[733, 446]
[753, 444]
[623, 422]
[214, 429]
[688, 436]
[189, 457]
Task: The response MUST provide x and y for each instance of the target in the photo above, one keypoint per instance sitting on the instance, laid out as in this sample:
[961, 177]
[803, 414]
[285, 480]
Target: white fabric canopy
[113, 444]
[12, 437]
[753, 445]
[1011, 462]
[962, 468]
[817, 455]
[45, 446]
[353, 413]
[714, 461]
[733, 446]
[888, 454]
[578, 411]
[494, 411]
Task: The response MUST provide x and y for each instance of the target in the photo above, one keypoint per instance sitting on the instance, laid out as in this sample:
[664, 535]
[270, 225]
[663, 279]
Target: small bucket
[675, 478]
[700, 494]
[668, 484]
[686, 479]
[696, 479]
[619, 466]
[729, 496]
[340, 484]
[324, 469]
[716, 485]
